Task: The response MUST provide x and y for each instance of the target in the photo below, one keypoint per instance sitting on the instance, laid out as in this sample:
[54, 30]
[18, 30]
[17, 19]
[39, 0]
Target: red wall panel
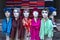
[17, 0]
[41, 3]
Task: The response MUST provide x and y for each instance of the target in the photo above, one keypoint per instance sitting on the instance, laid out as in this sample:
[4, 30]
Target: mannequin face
[26, 14]
[45, 14]
[35, 14]
[16, 14]
[7, 14]
[54, 13]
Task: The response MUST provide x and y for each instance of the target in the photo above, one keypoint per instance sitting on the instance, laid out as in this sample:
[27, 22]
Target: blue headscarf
[8, 9]
[51, 9]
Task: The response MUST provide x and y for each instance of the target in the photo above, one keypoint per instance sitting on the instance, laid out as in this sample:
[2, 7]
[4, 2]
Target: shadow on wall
[2, 5]
[57, 6]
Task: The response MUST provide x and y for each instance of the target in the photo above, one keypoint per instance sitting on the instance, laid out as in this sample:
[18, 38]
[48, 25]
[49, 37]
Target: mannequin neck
[7, 19]
[35, 18]
[26, 18]
[45, 19]
[16, 18]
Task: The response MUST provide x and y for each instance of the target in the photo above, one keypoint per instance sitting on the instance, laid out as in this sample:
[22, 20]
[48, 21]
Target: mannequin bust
[26, 23]
[53, 13]
[16, 25]
[7, 14]
[7, 23]
[35, 26]
[46, 30]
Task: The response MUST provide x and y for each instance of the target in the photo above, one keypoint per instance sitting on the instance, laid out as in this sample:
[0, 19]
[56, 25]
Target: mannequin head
[54, 13]
[26, 14]
[45, 13]
[7, 14]
[16, 12]
[35, 14]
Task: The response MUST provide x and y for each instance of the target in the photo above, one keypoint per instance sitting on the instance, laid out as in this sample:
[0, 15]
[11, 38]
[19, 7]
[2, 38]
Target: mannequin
[7, 23]
[26, 23]
[16, 25]
[46, 30]
[35, 26]
[53, 13]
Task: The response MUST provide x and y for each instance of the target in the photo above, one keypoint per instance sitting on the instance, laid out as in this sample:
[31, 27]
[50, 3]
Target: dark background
[2, 5]
[57, 5]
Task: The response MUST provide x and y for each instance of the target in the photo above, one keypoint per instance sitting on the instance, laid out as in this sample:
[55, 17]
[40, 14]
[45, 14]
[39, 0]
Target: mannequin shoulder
[3, 20]
[50, 21]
